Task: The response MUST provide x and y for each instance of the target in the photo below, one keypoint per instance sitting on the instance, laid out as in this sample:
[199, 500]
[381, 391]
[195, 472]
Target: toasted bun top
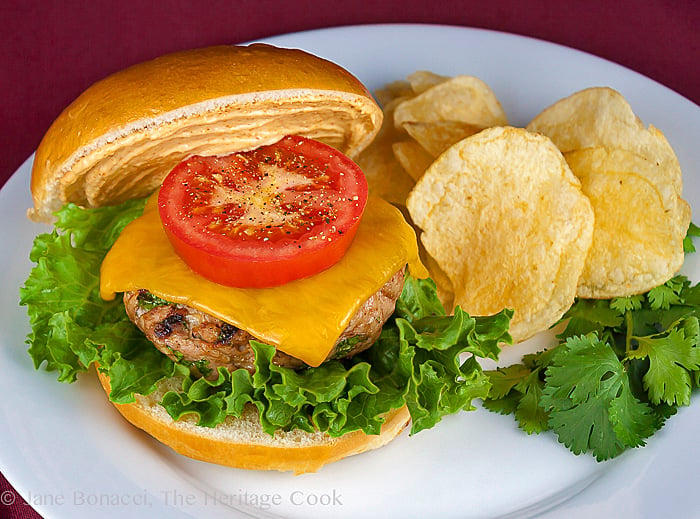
[121, 137]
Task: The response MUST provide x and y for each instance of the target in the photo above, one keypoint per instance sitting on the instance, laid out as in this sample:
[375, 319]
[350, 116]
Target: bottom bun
[241, 442]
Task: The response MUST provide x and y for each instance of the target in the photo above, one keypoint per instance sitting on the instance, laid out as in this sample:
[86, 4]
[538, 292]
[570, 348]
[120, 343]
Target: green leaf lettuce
[424, 358]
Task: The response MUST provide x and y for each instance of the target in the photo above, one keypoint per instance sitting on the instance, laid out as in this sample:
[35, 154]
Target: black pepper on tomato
[264, 217]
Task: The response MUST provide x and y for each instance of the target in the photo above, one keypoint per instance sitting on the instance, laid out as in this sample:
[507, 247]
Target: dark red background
[51, 51]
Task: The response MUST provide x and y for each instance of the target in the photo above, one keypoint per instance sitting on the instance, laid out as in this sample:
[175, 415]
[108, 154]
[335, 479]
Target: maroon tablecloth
[51, 51]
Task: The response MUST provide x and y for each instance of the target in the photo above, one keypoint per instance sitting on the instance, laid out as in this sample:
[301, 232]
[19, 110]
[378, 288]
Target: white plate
[69, 454]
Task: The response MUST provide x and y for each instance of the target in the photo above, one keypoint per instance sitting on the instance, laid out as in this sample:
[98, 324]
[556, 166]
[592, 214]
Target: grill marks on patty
[185, 334]
[207, 343]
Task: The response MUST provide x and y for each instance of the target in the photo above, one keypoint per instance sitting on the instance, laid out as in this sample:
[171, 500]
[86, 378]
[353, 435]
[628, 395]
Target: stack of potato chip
[423, 116]
[584, 202]
[633, 179]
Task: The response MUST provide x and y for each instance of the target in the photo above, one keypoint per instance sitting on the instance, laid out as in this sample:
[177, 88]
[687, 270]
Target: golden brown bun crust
[154, 109]
[241, 443]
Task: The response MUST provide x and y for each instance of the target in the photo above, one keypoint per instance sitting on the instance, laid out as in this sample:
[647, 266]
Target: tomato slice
[264, 217]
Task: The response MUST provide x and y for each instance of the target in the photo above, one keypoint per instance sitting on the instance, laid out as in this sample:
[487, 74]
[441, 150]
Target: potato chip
[394, 90]
[412, 157]
[396, 159]
[505, 219]
[422, 80]
[443, 285]
[634, 180]
[386, 178]
[437, 136]
[462, 98]
[601, 116]
[640, 223]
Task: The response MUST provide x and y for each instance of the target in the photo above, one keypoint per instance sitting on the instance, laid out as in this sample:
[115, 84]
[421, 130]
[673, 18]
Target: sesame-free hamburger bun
[124, 134]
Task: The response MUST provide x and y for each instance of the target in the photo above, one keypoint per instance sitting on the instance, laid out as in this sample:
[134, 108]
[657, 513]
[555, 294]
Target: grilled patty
[207, 343]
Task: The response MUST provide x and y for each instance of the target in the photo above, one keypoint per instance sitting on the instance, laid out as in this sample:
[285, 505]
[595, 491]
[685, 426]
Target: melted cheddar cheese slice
[303, 318]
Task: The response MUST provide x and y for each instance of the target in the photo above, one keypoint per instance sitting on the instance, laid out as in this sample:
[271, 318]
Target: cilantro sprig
[621, 368]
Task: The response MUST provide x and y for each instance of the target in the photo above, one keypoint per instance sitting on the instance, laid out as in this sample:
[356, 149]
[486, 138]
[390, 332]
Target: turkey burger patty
[206, 343]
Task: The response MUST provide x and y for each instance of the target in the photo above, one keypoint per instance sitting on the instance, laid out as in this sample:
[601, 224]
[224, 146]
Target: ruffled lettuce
[424, 358]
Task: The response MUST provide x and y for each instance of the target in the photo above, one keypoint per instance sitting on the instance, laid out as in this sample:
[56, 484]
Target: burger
[217, 259]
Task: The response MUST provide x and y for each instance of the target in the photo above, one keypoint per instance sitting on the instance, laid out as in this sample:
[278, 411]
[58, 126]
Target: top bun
[124, 134]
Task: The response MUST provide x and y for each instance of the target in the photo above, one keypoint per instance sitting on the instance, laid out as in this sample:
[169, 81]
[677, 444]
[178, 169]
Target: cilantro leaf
[619, 372]
[663, 296]
[693, 231]
[672, 357]
[586, 427]
[530, 414]
[589, 315]
[632, 421]
[517, 390]
[504, 380]
[627, 304]
[589, 399]
[585, 367]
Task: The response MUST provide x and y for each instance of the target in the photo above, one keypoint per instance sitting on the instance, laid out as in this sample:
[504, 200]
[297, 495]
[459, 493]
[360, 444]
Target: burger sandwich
[218, 260]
